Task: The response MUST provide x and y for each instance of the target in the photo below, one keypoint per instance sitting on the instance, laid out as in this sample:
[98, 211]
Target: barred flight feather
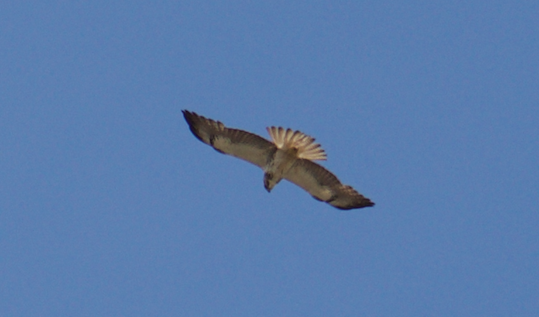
[287, 139]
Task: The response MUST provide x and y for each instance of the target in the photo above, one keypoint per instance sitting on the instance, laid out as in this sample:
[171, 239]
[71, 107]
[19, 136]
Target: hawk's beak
[266, 186]
[267, 178]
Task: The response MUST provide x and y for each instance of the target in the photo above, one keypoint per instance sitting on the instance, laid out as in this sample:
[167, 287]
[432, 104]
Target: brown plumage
[290, 156]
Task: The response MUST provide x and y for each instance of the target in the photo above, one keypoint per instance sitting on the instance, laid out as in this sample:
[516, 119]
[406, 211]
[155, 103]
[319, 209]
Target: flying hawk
[289, 156]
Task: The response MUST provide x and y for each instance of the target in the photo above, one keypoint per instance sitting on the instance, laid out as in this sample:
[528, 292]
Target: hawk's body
[289, 156]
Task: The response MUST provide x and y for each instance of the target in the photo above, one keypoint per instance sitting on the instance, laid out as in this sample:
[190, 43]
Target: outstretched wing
[241, 144]
[324, 186]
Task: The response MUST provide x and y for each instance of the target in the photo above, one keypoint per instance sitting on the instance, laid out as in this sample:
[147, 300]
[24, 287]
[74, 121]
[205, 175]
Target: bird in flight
[291, 156]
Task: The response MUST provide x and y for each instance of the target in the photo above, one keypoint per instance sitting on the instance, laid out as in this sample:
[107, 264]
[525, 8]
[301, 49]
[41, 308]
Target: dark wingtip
[192, 120]
[189, 116]
[192, 117]
[365, 203]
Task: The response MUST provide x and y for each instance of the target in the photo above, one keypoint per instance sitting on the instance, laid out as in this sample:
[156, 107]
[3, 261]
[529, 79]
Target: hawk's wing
[238, 143]
[324, 186]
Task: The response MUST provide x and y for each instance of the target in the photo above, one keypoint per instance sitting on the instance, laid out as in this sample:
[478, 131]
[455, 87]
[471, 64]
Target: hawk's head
[270, 181]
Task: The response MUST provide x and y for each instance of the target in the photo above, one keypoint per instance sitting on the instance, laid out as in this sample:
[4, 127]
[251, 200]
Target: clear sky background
[109, 206]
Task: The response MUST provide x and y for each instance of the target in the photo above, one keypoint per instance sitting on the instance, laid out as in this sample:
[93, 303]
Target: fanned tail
[307, 148]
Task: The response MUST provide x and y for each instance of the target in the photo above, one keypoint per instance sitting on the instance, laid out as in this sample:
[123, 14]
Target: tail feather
[307, 148]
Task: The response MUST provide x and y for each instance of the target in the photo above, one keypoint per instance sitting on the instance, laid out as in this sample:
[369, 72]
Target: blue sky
[110, 207]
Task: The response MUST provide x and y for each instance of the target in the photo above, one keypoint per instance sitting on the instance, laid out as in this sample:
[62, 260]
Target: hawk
[291, 156]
